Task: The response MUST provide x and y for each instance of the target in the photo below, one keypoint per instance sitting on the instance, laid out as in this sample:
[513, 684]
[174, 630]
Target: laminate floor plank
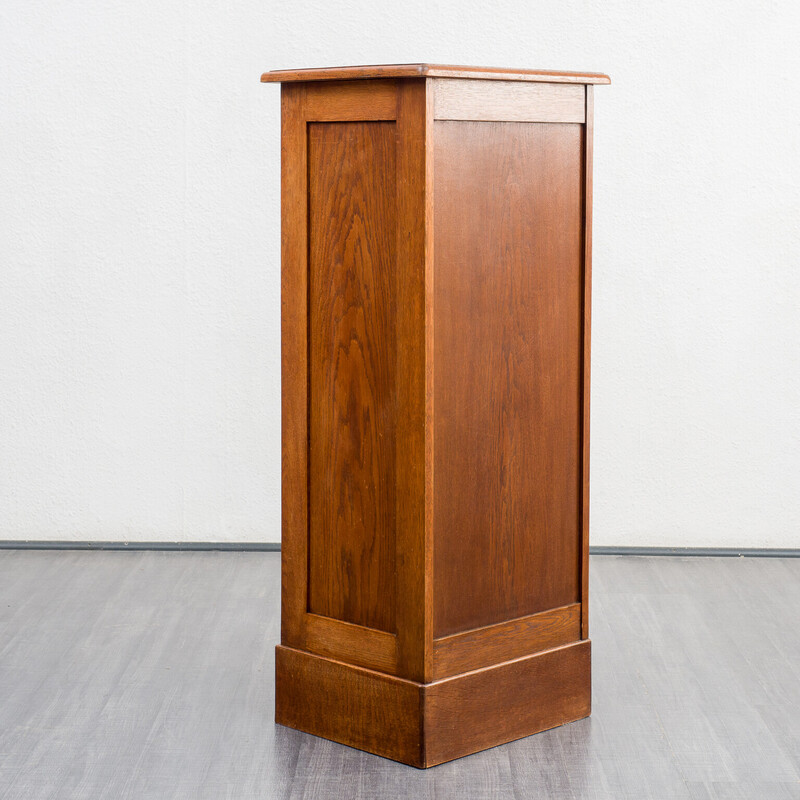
[701, 684]
[151, 675]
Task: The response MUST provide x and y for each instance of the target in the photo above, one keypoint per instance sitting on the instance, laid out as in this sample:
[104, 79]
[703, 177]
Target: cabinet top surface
[430, 71]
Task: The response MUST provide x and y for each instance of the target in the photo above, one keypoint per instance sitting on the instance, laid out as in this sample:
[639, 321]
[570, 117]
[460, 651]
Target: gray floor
[149, 675]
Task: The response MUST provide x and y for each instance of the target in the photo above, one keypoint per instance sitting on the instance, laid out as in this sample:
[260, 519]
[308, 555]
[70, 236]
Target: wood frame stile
[403, 694]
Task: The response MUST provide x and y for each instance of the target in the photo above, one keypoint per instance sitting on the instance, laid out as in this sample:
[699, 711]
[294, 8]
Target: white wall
[139, 247]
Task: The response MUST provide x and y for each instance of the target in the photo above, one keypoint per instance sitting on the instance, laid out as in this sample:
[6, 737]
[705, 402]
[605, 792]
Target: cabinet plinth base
[427, 724]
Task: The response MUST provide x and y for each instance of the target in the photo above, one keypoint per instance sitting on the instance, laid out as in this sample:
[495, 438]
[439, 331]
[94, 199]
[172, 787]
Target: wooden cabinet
[436, 252]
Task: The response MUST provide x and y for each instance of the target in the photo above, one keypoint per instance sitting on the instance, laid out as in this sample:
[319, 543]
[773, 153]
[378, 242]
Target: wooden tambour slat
[508, 101]
[355, 644]
[506, 640]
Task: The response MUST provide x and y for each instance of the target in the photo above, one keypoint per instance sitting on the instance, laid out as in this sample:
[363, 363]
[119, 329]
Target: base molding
[428, 724]
[351, 705]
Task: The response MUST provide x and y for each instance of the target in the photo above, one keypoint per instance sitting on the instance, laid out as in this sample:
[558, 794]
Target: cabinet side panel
[508, 291]
[352, 365]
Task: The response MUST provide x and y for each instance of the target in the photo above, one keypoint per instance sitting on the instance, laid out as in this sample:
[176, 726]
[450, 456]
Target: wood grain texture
[423, 724]
[366, 647]
[351, 101]
[294, 371]
[431, 71]
[491, 706]
[505, 641]
[508, 217]
[508, 101]
[352, 414]
[348, 704]
[414, 537]
[586, 355]
[434, 362]
[430, 374]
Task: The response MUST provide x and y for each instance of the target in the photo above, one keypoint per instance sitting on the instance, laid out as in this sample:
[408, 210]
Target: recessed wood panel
[508, 286]
[352, 357]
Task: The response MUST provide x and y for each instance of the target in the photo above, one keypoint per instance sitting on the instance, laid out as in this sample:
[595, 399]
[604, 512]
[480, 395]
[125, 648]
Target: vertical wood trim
[430, 100]
[415, 644]
[294, 365]
[587, 340]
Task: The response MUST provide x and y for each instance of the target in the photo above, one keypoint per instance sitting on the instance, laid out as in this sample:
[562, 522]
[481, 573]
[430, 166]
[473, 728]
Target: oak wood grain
[414, 543]
[351, 101]
[508, 320]
[352, 414]
[348, 704]
[431, 71]
[508, 101]
[491, 706]
[423, 724]
[435, 440]
[586, 355]
[505, 641]
[294, 371]
[366, 647]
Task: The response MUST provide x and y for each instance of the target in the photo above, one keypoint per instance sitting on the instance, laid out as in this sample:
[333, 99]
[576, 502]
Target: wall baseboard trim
[45, 544]
[274, 547]
[710, 552]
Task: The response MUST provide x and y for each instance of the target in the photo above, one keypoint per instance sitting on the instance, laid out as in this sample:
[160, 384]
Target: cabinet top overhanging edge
[431, 71]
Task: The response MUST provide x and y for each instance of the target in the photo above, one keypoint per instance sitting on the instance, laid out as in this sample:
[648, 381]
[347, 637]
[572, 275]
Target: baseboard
[710, 552]
[44, 544]
[428, 724]
[274, 547]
